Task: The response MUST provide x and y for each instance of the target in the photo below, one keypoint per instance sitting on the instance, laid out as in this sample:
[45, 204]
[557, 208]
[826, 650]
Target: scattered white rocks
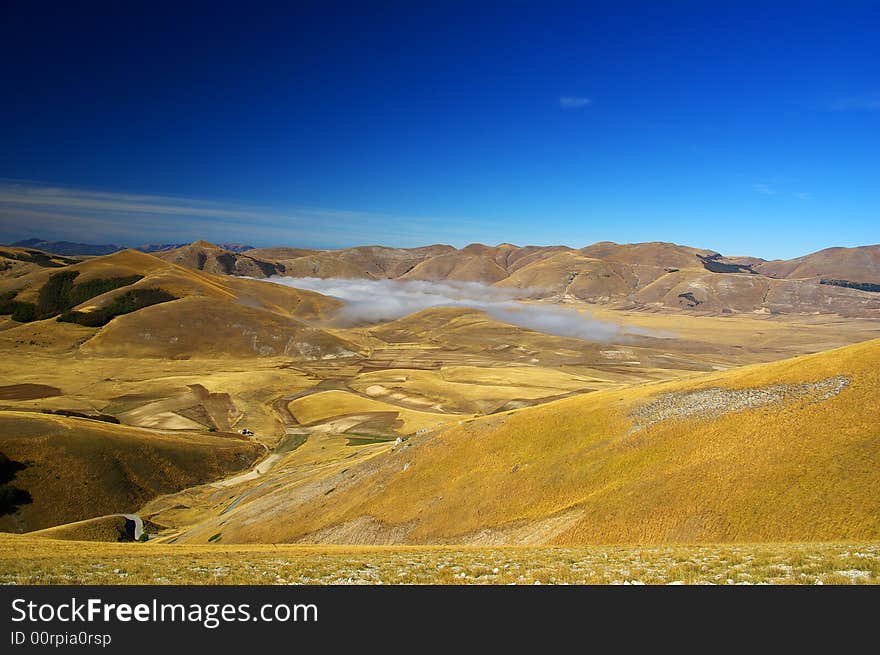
[854, 574]
[715, 402]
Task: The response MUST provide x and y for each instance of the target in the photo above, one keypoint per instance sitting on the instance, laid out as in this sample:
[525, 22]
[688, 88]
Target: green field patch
[357, 439]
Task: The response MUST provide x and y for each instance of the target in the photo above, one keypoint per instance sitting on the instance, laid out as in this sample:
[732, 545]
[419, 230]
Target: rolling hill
[859, 265]
[204, 256]
[75, 468]
[377, 262]
[141, 304]
[784, 451]
[657, 276]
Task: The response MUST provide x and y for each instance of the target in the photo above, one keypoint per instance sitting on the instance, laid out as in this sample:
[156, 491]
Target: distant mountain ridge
[650, 276]
[91, 249]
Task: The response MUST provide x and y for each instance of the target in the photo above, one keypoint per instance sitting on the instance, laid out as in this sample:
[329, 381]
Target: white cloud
[856, 103]
[574, 102]
[765, 189]
[376, 301]
[802, 195]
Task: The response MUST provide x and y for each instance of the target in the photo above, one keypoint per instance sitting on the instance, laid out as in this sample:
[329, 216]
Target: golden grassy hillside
[571, 274]
[201, 327]
[102, 528]
[786, 451]
[197, 314]
[204, 256]
[860, 264]
[665, 277]
[459, 266]
[76, 468]
[361, 262]
[469, 330]
[656, 253]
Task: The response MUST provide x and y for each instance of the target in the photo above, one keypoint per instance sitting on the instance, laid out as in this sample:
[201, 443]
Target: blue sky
[748, 128]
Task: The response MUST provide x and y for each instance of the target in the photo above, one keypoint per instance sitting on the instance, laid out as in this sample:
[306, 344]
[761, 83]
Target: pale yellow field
[29, 560]
[328, 404]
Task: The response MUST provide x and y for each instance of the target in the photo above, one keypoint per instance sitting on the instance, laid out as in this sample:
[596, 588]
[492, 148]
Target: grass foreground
[34, 560]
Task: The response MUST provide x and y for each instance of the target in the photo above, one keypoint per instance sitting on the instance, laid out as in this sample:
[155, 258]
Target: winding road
[138, 526]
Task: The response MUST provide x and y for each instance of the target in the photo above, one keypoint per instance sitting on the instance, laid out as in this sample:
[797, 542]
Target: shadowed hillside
[80, 468]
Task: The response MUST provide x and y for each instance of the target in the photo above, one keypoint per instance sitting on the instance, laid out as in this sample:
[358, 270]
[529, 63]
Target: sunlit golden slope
[102, 528]
[207, 314]
[854, 264]
[800, 460]
[204, 256]
[378, 262]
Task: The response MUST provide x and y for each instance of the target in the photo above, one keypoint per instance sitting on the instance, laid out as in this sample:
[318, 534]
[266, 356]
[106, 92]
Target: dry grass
[472, 389]
[103, 528]
[328, 404]
[797, 471]
[28, 560]
[77, 469]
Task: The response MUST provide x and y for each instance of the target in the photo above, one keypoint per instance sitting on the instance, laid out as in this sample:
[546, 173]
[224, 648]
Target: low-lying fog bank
[377, 301]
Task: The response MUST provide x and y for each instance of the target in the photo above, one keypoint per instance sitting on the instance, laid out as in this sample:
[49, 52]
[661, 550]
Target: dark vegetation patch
[290, 443]
[227, 262]
[366, 439]
[860, 286]
[11, 497]
[711, 263]
[128, 302]
[22, 312]
[690, 299]
[59, 294]
[39, 258]
[28, 391]
[268, 269]
[200, 415]
[107, 418]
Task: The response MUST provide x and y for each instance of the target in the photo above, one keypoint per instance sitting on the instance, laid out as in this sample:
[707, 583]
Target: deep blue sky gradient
[749, 128]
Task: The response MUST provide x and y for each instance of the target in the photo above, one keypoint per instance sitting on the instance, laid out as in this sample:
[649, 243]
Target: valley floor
[33, 560]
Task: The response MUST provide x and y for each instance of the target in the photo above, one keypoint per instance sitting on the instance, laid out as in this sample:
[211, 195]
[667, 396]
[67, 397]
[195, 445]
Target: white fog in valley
[377, 301]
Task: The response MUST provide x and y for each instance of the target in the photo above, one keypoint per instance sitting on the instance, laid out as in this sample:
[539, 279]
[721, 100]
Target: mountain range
[656, 275]
[91, 249]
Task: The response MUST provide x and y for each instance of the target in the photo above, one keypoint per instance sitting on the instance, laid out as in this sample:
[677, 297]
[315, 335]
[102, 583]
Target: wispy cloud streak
[765, 189]
[574, 102]
[53, 211]
[857, 103]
